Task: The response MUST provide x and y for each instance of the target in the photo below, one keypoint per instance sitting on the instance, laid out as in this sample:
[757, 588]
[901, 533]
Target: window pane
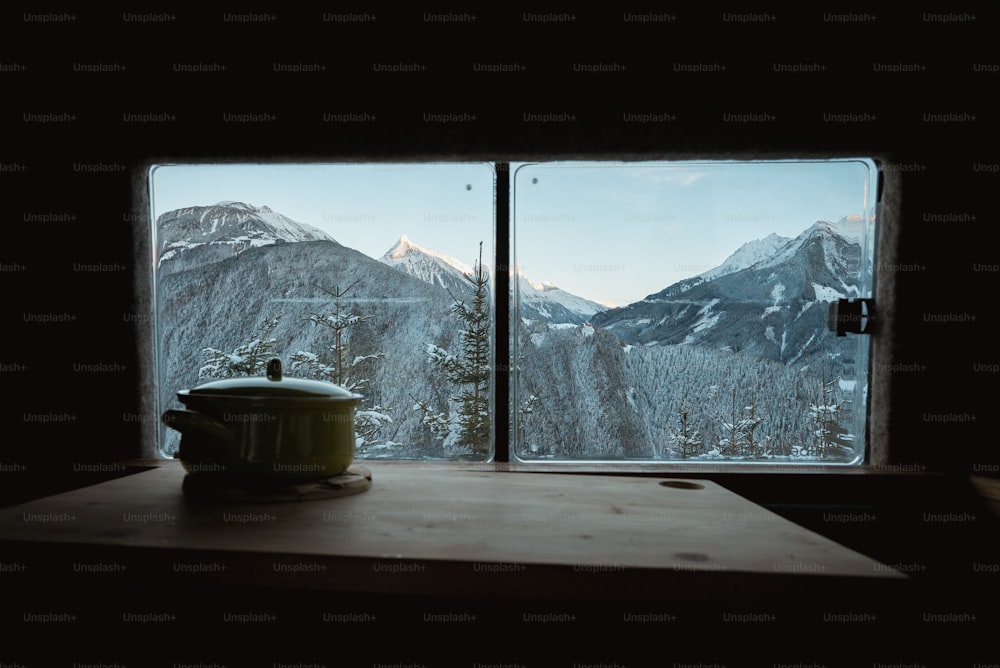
[347, 272]
[678, 310]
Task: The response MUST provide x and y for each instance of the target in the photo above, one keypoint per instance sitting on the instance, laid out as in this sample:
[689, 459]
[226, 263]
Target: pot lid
[274, 384]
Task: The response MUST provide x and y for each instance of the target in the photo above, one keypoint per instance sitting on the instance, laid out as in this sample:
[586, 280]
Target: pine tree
[468, 426]
[685, 438]
[340, 366]
[753, 446]
[825, 416]
[739, 437]
[249, 359]
[524, 410]
[525, 407]
[337, 365]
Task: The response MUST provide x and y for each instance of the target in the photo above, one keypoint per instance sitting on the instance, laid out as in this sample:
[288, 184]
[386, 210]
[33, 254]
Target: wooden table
[452, 531]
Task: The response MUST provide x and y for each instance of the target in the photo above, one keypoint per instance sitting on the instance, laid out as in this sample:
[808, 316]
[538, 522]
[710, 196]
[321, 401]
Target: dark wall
[90, 97]
[93, 96]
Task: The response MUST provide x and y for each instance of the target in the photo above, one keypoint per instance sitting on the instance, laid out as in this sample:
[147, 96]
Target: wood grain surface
[456, 532]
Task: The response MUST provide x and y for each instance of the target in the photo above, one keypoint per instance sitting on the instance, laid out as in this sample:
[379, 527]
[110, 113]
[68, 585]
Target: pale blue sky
[611, 232]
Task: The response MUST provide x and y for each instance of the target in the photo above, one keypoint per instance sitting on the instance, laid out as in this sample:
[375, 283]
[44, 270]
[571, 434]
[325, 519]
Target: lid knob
[274, 369]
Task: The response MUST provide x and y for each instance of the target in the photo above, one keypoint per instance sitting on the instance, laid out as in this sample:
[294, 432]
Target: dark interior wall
[94, 96]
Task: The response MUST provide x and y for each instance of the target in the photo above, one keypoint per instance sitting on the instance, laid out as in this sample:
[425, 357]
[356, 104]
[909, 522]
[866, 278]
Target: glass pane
[677, 311]
[350, 273]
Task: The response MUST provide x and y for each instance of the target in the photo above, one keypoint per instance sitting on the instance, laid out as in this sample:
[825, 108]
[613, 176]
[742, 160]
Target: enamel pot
[261, 428]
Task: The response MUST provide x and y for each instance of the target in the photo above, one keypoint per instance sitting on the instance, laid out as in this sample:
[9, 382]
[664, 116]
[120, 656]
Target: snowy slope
[549, 303]
[435, 268]
[222, 304]
[229, 228]
[745, 256]
[847, 231]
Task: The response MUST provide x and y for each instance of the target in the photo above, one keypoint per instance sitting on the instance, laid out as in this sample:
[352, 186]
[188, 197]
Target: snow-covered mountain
[544, 302]
[431, 267]
[772, 306]
[596, 396]
[745, 256]
[548, 303]
[223, 230]
[222, 304]
[752, 336]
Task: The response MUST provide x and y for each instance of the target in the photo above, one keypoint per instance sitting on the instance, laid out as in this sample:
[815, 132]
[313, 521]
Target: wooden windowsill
[455, 530]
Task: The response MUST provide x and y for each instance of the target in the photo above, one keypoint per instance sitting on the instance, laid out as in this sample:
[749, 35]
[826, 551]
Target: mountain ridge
[223, 230]
[768, 308]
[534, 301]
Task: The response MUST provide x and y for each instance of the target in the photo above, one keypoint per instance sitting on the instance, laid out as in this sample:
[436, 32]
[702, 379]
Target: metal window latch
[856, 316]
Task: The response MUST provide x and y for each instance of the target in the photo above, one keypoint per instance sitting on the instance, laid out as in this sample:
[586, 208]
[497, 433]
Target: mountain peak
[538, 301]
[429, 266]
[548, 302]
[540, 287]
[850, 227]
[404, 248]
[233, 205]
[229, 224]
[747, 255]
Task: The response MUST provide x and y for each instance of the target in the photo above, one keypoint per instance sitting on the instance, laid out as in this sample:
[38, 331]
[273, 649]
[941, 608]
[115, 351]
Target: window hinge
[856, 316]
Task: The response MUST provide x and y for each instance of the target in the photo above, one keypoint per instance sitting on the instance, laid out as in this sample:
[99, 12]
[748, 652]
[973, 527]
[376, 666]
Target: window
[348, 273]
[678, 311]
[661, 311]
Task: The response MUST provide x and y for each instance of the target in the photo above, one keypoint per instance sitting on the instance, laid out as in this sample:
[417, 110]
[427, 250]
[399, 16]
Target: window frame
[882, 455]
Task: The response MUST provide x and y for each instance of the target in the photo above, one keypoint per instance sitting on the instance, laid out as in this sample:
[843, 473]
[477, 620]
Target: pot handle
[182, 421]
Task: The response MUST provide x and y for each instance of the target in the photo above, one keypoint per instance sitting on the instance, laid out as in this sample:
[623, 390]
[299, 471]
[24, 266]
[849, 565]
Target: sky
[610, 232]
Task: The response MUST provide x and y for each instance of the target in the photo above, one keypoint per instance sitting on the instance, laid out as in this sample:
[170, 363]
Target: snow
[549, 299]
[630, 398]
[850, 228]
[802, 350]
[415, 259]
[747, 255]
[825, 293]
[708, 319]
[777, 294]
[230, 224]
[707, 322]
